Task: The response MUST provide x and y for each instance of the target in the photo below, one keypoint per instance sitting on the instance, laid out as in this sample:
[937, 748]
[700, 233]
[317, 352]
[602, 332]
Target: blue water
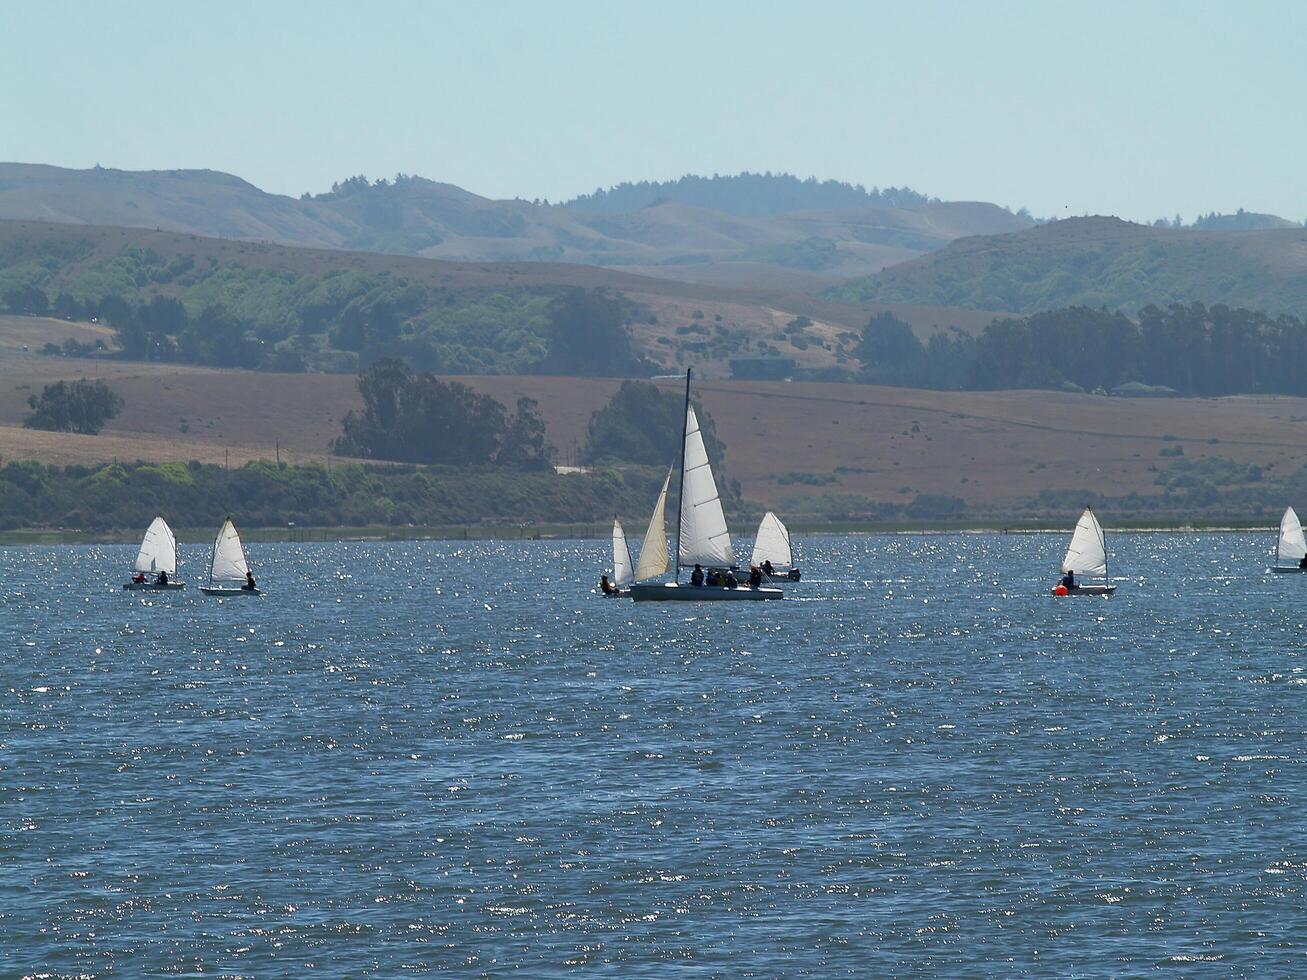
[451, 757]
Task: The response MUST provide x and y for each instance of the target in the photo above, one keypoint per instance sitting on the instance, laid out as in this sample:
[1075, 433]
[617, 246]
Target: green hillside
[1097, 262]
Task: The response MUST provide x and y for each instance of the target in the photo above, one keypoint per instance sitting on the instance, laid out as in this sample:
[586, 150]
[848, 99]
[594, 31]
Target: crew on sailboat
[162, 579]
[696, 576]
[1069, 581]
[605, 586]
[249, 585]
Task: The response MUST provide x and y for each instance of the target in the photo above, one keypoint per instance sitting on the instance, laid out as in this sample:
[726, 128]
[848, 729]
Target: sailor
[730, 581]
[605, 586]
[162, 579]
[755, 577]
[1302, 562]
[138, 578]
[249, 581]
[767, 568]
[1069, 580]
[696, 576]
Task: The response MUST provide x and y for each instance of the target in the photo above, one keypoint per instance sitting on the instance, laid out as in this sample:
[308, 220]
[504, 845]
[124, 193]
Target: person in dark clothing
[696, 576]
[605, 586]
[755, 577]
[162, 579]
[1069, 580]
[138, 578]
[767, 568]
[1302, 562]
[249, 582]
[730, 581]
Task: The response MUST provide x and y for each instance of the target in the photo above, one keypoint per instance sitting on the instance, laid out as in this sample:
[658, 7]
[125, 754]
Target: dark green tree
[587, 334]
[524, 446]
[76, 406]
[25, 299]
[642, 423]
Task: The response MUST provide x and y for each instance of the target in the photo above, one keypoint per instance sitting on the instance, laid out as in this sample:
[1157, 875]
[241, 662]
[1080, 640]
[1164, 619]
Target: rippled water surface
[453, 756]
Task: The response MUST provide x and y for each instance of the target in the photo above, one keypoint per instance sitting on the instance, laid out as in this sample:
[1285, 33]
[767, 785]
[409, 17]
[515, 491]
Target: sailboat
[1086, 556]
[623, 568]
[1290, 546]
[228, 572]
[158, 555]
[773, 544]
[701, 535]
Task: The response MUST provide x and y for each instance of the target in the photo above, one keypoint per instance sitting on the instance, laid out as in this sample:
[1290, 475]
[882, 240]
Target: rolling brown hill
[786, 443]
[415, 216]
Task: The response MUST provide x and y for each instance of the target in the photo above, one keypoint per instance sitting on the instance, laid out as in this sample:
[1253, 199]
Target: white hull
[672, 592]
[1088, 590]
[211, 590]
[153, 586]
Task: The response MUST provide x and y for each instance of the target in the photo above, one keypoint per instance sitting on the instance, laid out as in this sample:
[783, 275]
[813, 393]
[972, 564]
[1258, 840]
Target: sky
[1138, 109]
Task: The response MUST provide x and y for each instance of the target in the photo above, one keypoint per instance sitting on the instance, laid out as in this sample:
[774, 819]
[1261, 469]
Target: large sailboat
[1086, 556]
[701, 535]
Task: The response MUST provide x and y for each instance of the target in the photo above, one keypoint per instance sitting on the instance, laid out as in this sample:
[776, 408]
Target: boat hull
[1088, 590]
[1291, 570]
[672, 592]
[209, 590]
[153, 586]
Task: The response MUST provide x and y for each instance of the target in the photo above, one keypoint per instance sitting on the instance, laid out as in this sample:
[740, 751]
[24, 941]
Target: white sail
[703, 536]
[1292, 546]
[654, 557]
[1087, 554]
[158, 549]
[623, 575]
[228, 564]
[772, 543]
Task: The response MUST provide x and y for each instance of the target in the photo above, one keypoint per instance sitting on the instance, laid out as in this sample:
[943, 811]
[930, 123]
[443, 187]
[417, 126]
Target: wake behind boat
[155, 567]
[229, 575]
[1290, 545]
[1086, 556]
[702, 540]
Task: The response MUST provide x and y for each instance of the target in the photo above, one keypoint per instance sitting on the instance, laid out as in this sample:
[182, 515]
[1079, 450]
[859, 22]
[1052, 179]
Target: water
[448, 757]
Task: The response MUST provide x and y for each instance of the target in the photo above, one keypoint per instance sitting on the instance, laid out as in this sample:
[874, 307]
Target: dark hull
[671, 592]
[153, 586]
[209, 590]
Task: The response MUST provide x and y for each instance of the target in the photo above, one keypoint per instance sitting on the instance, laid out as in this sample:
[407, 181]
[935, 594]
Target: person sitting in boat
[730, 581]
[162, 579]
[249, 581]
[755, 577]
[605, 586]
[138, 578]
[1302, 562]
[1069, 581]
[767, 568]
[696, 576]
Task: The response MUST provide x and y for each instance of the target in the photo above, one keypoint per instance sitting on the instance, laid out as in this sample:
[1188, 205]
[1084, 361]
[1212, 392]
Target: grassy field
[785, 442]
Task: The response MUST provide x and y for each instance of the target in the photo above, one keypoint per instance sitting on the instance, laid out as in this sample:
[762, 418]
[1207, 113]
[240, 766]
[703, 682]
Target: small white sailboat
[701, 536]
[1086, 556]
[155, 567]
[773, 545]
[623, 567]
[1290, 545]
[228, 572]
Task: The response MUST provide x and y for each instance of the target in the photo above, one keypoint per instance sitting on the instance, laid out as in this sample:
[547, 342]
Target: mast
[680, 494]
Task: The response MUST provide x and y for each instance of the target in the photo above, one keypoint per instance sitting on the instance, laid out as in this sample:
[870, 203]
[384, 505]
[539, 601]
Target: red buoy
[1060, 589]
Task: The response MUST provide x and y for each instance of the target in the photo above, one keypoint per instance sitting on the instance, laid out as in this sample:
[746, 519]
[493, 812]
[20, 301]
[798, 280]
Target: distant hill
[1098, 262]
[298, 308]
[1241, 220]
[748, 194]
[748, 230]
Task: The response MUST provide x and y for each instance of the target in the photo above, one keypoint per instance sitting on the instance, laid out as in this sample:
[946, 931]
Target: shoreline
[601, 531]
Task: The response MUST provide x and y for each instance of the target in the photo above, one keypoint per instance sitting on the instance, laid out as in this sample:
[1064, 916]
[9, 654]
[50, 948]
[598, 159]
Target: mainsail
[622, 573]
[1292, 546]
[228, 564]
[158, 549]
[1087, 554]
[703, 537]
[772, 543]
[654, 559]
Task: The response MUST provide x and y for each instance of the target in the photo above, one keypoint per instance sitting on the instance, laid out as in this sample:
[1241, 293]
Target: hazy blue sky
[1139, 109]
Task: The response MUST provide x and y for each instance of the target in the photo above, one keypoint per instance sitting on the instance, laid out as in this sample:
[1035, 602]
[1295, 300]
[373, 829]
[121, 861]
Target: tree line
[1191, 348]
